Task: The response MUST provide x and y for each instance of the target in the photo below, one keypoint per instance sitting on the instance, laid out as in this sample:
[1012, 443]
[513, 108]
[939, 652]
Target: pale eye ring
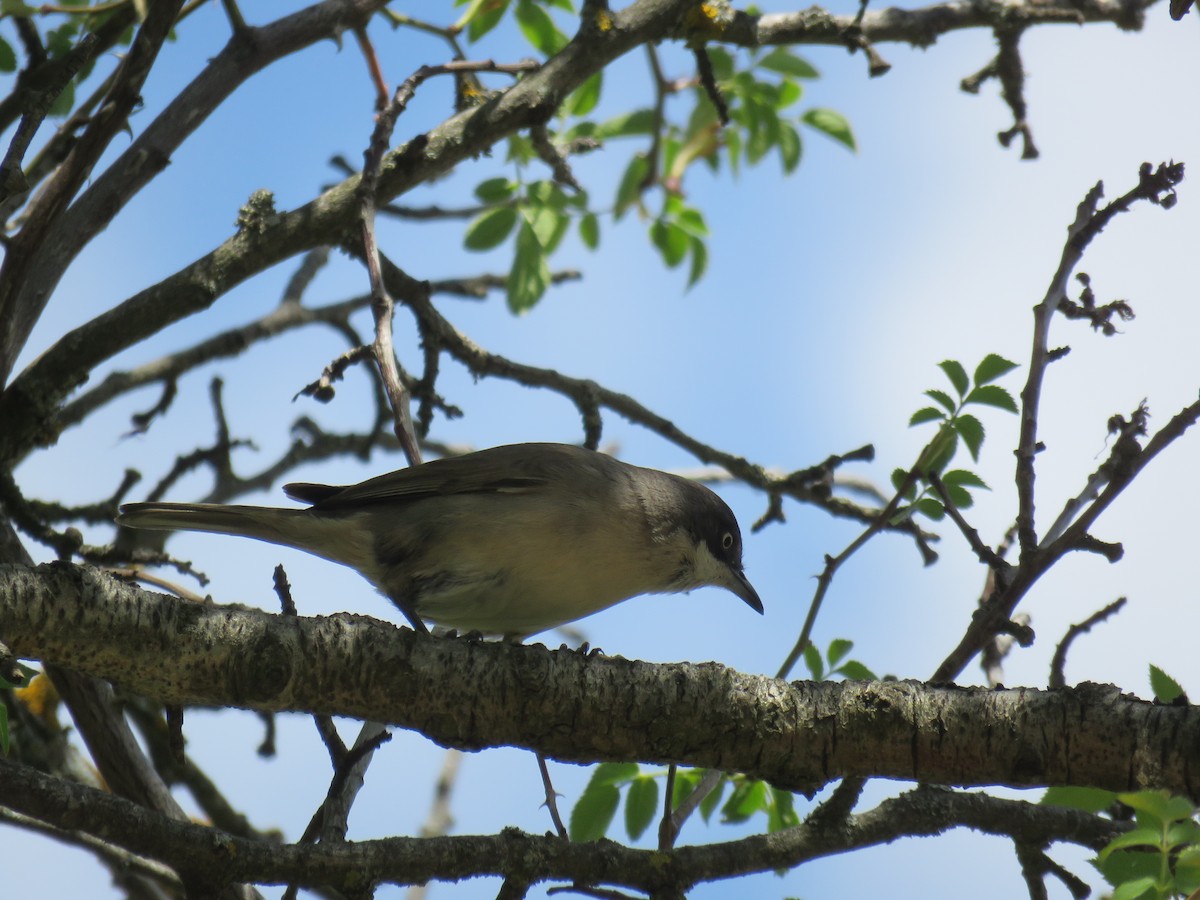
[727, 540]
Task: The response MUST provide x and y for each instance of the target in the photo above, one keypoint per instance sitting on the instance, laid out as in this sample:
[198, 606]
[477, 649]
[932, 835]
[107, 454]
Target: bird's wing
[511, 469]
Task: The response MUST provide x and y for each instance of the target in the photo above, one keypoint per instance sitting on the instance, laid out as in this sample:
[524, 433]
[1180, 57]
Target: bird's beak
[740, 585]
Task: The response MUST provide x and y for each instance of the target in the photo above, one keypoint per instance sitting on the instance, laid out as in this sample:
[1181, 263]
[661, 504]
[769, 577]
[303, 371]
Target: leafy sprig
[760, 88]
[955, 424]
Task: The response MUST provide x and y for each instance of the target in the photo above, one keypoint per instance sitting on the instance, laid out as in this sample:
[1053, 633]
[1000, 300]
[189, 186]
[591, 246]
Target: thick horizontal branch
[210, 857]
[473, 695]
[924, 25]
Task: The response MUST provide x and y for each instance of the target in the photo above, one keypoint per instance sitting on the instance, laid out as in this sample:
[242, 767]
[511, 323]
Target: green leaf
[593, 813]
[481, 17]
[789, 92]
[747, 798]
[733, 147]
[789, 147]
[586, 128]
[641, 804]
[539, 29]
[970, 429]
[965, 478]
[16, 9]
[899, 476]
[938, 452]
[692, 221]
[494, 190]
[519, 149]
[699, 251]
[931, 508]
[785, 62]
[1127, 865]
[530, 275]
[1139, 887]
[1158, 805]
[545, 192]
[853, 670]
[1183, 833]
[713, 800]
[685, 782]
[64, 102]
[490, 229]
[925, 414]
[838, 648]
[992, 395]
[549, 225]
[960, 496]
[812, 659]
[630, 188]
[782, 812]
[4, 745]
[1138, 837]
[8, 63]
[671, 241]
[1091, 800]
[589, 231]
[943, 398]
[1187, 869]
[670, 150]
[992, 367]
[957, 481]
[584, 98]
[722, 63]
[957, 375]
[1165, 688]
[762, 133]
[630, 124]
[833, 124]
[614, 773]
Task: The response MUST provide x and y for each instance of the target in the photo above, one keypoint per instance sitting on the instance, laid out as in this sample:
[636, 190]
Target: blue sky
[830, 298]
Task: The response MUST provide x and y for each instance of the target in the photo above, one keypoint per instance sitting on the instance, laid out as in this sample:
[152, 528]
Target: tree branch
[219, 858]
[798, 736]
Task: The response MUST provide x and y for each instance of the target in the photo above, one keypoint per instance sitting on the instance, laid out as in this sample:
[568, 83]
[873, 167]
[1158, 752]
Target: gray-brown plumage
[511, 540]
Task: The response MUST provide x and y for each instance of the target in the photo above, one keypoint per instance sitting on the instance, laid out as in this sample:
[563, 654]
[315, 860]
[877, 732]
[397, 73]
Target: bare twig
[381, 301]
[551, 802]
[1059, 662]
[20, 310]
[553, 157]
[1011, 72]
[13, 183]
[708, 81]
[986, 554]
[1157, 186]
[117, 858]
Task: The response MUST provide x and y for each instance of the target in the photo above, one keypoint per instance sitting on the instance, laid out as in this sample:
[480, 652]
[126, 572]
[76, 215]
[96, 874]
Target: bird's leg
[411, 614]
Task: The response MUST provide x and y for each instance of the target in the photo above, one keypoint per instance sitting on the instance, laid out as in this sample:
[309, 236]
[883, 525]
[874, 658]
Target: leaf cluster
[539, 213]
[593, 814]
[760, 94]
[835, 662]
[57, 41]
[955, 424]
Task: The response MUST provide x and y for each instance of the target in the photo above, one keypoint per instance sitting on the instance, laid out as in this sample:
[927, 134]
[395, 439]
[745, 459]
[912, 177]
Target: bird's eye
[727, 540]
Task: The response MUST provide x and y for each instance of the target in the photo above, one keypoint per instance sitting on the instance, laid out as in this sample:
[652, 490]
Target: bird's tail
[336, 540]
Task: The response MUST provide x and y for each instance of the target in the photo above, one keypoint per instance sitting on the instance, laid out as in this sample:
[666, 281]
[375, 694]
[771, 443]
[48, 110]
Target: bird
[509, 541]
